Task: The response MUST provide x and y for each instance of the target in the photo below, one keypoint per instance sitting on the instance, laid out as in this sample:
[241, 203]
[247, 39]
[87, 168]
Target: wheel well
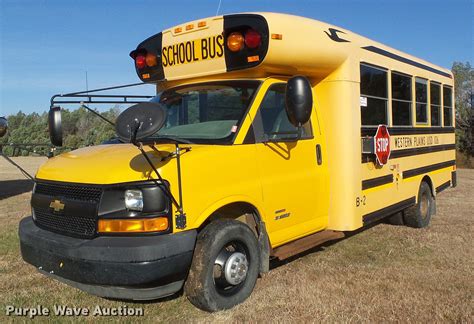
[427, 179]
[247, 214]
[241, 211]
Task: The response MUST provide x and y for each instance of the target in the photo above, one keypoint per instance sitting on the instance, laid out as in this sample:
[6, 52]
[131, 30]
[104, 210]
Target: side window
[401, 99]
[373, 95]
[448, 106]
[421, 95]
[435, 104]
[271, 122]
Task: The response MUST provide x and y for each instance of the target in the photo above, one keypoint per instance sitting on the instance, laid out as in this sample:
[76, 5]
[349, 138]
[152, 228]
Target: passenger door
[290, 175]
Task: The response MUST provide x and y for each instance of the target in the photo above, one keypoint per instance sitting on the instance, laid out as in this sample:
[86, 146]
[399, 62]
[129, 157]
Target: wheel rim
[424, 205]
[231, 268]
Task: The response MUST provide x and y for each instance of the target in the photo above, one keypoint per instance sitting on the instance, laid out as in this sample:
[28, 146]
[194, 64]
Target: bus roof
[288, 45]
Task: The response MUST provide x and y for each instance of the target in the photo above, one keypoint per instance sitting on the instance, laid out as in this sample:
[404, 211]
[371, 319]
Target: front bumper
[138, 268]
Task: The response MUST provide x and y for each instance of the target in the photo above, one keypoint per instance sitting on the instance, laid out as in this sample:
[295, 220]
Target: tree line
[82, 128]
[464, 100]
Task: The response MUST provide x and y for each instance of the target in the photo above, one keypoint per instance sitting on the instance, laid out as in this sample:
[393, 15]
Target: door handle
[319, 156]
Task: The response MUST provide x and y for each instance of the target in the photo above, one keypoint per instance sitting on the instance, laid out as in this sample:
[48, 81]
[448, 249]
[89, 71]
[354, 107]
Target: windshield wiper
[175, 139]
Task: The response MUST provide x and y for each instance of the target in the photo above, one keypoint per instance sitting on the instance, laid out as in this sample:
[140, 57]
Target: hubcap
[236, 268]
[230, 268]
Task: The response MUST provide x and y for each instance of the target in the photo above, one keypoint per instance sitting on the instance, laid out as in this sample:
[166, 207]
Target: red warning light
[252, 39]
[140, 61]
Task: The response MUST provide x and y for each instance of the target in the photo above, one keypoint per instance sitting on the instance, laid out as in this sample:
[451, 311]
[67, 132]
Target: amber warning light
[143, 60]
[236, 41]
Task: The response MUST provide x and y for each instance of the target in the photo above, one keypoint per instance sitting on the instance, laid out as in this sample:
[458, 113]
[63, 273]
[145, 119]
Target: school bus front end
[103, 222]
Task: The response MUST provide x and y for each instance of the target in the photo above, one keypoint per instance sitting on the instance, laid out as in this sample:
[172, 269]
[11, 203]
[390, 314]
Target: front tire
[419, 215]
[225, 266]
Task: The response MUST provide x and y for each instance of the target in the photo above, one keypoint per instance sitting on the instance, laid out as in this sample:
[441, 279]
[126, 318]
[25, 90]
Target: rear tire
[419, 215]
[396, 219]
[225, 266]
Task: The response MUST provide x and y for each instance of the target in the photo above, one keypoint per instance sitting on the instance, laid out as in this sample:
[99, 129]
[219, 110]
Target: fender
[223, 202]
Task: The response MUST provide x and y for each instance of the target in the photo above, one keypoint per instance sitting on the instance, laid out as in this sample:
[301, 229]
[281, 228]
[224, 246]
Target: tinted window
[375, 112]
[447, 106]
[447, 116]
[421, 90]
[421, 95]
[273, 119]
[447, 97]
[373, 92]
[373, 81]
[435, 115]
[401, 113]
[401, 99]
[401, 87]
[435, 93]
[435, 98]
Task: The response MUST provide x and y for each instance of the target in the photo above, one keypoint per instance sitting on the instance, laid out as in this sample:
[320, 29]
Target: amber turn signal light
[133, 225]
[151, 60]
[235, 42]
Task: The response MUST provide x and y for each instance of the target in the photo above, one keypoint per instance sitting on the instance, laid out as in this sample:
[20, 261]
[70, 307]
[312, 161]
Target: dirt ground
[385, 273]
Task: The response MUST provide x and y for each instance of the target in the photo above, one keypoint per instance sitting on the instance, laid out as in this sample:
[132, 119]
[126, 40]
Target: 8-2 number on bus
[360, 201]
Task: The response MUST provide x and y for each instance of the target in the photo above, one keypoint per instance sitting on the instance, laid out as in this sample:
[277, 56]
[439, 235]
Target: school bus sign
[382, 144]
[193, 51]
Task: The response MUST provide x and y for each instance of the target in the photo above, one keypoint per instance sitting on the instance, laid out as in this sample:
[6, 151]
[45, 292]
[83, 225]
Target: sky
[47, 46]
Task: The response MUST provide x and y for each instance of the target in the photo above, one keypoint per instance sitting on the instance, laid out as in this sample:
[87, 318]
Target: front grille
[79, 217]
[77, 226]
[75, 192]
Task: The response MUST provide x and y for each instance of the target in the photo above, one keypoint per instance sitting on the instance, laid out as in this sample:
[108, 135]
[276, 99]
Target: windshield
[205, 112]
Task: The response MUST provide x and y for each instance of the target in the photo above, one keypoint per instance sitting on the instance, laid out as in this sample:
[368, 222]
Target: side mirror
[55, 126]
[3, 126]
[140, 121]
[298, 100]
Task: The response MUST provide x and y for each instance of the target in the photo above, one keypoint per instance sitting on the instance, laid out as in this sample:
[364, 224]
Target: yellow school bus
[269, 134]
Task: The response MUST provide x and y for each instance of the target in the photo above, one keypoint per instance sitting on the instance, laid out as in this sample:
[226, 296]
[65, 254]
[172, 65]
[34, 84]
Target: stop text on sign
[382, 144]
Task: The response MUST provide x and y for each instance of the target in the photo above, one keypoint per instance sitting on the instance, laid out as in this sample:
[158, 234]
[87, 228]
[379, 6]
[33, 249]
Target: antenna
[87, 83]
[218, 7]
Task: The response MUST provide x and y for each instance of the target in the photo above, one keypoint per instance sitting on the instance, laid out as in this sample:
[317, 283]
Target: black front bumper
[139, 267]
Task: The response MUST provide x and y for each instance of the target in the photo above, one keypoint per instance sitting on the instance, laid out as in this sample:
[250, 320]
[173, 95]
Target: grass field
[385, 273]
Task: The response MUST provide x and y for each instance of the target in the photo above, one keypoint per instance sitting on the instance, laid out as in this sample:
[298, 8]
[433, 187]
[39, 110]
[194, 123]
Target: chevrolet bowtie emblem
[57, 205]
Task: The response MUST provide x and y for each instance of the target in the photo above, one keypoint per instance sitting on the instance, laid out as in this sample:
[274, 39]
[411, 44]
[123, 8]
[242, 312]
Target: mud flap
[264, 246]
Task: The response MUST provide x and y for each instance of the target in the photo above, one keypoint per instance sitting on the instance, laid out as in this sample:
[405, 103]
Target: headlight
[134, 200]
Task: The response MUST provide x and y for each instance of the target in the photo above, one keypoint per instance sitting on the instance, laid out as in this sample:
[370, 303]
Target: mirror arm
[181, 216]
[300, 132]
[23, 171]
[178, 164]
[97, 114]
[165, 188]
[133, 134]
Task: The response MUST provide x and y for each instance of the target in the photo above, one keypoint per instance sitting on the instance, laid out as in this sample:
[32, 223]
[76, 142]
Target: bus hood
[109, 164]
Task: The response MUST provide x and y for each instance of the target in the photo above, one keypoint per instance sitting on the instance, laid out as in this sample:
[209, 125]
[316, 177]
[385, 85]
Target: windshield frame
[228, 140]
